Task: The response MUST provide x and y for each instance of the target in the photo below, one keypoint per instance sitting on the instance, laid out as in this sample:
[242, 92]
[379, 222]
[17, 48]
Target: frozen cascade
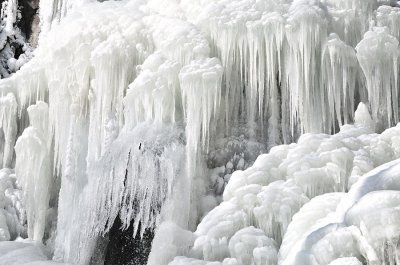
[382, 76]
[388, 16]
[339, 63]
[33, 168]
[151, 111]
[8, 129]
[142, 177]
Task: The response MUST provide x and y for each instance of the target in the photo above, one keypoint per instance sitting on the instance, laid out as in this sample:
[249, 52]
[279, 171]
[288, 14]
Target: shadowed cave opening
[122, 248]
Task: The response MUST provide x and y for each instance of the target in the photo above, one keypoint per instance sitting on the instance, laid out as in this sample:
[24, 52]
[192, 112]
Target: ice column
[201, 96]
[378, 54]
[113, 61]
[339, 75]
[8, 129]
[33, 169]
[306, 31]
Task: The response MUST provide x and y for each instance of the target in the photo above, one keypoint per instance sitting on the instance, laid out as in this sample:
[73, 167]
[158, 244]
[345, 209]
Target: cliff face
[29, 23]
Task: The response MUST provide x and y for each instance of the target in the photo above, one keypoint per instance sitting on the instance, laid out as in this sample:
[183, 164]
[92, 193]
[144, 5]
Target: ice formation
[156, 113]
[33, 169]
[12, 214]
[26, 251]
[274, 196]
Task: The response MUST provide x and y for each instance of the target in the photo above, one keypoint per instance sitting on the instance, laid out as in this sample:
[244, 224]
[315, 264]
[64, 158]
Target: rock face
[123, 249]
[29, 23]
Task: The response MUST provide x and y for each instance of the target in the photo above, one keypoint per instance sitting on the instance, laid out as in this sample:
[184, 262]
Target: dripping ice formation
[210, 123]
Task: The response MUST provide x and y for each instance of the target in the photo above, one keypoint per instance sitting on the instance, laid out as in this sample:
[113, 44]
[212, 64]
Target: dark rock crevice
[29, 23]
[122, 248]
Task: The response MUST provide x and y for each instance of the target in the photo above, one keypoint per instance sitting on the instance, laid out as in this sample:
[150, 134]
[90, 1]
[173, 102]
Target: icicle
[33, 169]
[201, 97]
[378, 54]
[8, 129]
[265, 48]
[351, 19]
[339, 73]
[140, 178]
[306, 32]
[201, 93]
[108, 88]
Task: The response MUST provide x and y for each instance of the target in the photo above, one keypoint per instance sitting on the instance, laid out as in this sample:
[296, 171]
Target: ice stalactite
[201, 96]
[33, 169]
[276, 53]
[53, 11]
[142, 177]
[93, 102]
[264, 74]
[8, 129]
[306, 32]
[340, 72]
[381, 69]
[113, 62]
[351, 19]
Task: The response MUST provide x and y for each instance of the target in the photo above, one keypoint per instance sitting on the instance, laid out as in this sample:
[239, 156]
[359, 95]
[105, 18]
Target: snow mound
[25, 252]
[294, 196]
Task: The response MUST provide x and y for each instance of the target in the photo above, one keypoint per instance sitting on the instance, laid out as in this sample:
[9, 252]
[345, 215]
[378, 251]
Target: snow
[24, 252]
[229, 127]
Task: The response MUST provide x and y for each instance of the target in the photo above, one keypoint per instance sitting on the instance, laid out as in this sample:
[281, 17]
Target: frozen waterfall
[242, 132]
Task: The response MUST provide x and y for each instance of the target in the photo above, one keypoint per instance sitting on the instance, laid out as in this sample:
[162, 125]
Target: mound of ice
[12, 213]
[273, 196]
[25, 252]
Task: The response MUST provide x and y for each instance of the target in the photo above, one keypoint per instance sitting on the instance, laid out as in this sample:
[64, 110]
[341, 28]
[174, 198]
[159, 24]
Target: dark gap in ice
[124, 249]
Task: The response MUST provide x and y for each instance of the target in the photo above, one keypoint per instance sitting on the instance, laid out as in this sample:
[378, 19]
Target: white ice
[153, 111]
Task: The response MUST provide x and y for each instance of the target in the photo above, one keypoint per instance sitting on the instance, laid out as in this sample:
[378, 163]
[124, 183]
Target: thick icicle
[340, 70]
[8, 129]
[378, 54]
[140, 180]
[33, 169]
